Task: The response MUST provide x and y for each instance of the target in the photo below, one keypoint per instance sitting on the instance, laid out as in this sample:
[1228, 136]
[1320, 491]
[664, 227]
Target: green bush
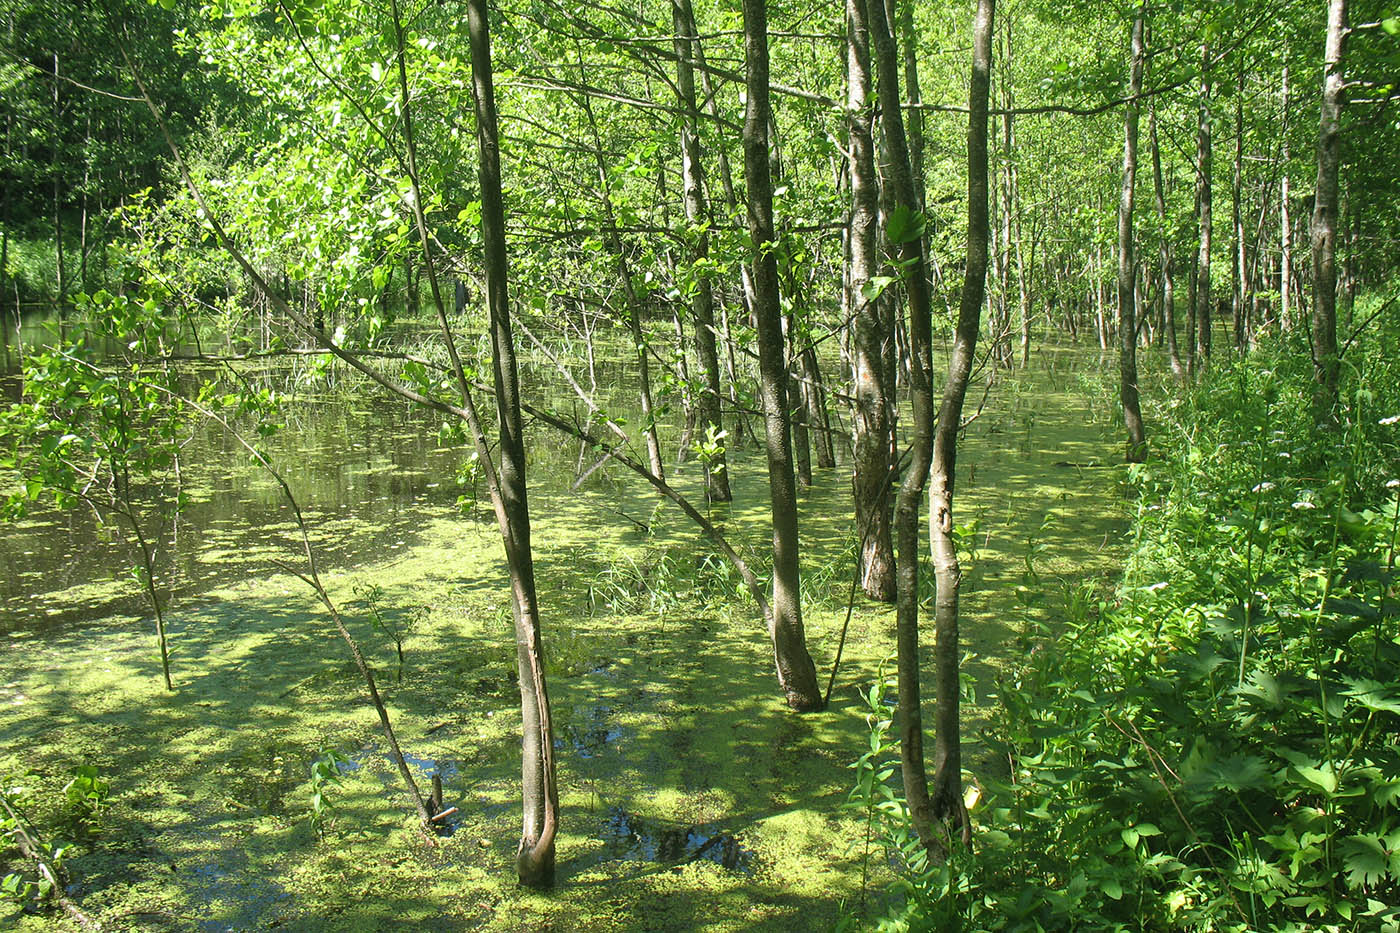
[1218, 747]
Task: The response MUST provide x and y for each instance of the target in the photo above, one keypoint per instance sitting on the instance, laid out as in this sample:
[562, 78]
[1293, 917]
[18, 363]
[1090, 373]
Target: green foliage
[1217, 748]
[72, 814]
[325, 775]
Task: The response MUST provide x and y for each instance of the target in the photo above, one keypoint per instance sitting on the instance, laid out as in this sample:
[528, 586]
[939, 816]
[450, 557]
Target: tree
[796, 673]
[1127, 268]
[1326, 362]
[872, 411]
[947, 798]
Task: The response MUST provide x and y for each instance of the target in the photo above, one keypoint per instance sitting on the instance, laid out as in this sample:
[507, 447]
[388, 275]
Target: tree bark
[873, 412]
[1285, 223]
[1326, 363]
[947, 755]
[1203, 213]
[911, 490]
[1165, 247]
[796, 673]
[697, 214]
[534, 860]
[1127, 269]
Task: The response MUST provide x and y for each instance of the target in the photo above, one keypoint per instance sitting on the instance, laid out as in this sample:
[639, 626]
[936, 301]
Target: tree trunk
[629, 293]
[534, 860]
[911, 490]
[796, 673]
[1127, 269]
[1285, 224]
[873, 413]
[1238, 270]
[947, 756]
[1203, 213]
[697, 214]
[1326, 362]
[1165, 246]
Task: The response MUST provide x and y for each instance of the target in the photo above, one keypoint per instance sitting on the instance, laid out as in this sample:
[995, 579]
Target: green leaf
[874, 288]
[1368, 860]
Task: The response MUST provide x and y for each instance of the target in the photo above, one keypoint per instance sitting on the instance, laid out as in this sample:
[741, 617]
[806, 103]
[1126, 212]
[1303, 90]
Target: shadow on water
[629, 837]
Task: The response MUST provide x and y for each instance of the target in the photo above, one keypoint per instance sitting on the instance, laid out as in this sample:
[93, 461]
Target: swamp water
[691, 797]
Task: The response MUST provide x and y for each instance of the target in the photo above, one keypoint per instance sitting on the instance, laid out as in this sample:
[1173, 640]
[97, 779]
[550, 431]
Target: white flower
[1392, 484]
[1393, 419]
[1303, 504]
[1265, 486]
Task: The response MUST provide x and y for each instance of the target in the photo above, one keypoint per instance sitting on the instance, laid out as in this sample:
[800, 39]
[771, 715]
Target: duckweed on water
[691, 797]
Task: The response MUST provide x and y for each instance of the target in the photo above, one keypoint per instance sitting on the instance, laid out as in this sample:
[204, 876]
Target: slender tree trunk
[697, 214]
[1285, 223]
[911, 491]
[534, 860]
[872, 414]
[1203, 210]
[1238, 269]
[61, 283]
[947, 756]
[1326, 362]
[1165, 247]
[629, 293]
[796, 672]
[1127, 268]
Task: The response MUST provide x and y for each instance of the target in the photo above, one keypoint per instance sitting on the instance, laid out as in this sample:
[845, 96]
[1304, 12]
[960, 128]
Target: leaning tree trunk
[1326, 362]
[1203, 213]
[697, 214]
[947, 755]
[534, 860]
[796, 672]
[1127, 271]
[873, 412]
[911, 490]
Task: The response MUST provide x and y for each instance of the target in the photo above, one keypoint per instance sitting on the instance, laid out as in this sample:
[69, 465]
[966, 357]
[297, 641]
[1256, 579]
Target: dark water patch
[592, 734]
[235, 899]
[629, 837]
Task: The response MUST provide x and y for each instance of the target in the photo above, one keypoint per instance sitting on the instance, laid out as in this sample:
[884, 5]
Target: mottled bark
[796, 673]
[911, 490]
[1127, 269]
[1164, 247]
[1326, 362]
[1203, 216]
[534, 860]
[947, 756]
[697, 214]
[872, 415]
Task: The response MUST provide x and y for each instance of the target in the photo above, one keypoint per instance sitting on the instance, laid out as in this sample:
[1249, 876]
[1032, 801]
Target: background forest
[757, 466]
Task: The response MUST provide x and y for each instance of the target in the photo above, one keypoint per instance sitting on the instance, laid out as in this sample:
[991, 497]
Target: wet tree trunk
[872, 414]
[1165, 249]
[947, 755]
[534, 860]
[1326, 363]
[697, 213]
[911, 490]
[1127, 269]
[1203, 212]
[796, 672]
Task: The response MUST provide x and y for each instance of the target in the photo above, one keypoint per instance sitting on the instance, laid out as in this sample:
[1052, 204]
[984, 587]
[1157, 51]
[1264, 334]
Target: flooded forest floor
[691, 796]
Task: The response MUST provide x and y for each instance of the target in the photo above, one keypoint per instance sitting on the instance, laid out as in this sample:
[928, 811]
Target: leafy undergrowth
[1218, 746]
